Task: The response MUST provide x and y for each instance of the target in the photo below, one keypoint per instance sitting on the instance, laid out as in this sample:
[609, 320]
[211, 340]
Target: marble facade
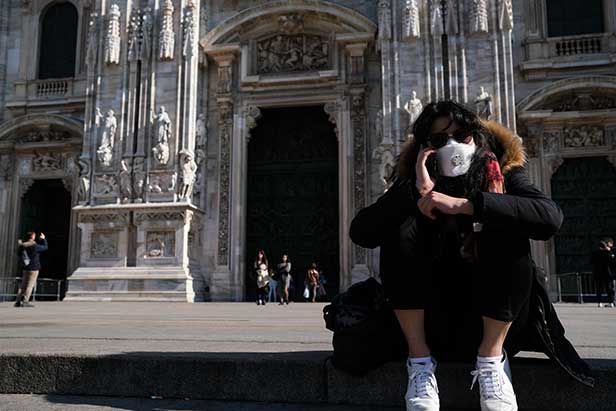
[150, 134]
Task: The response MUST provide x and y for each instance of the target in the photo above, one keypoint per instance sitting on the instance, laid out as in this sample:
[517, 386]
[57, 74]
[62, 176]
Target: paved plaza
[102, 353]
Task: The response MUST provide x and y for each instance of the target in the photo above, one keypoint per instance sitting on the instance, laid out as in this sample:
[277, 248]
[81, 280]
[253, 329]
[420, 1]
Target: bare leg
[494, 334]
[412, 324]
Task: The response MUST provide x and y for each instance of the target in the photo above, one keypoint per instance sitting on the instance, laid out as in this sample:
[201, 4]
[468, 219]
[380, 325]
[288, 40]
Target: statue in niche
[413, 107]
[201, 134]
[138, 179]
[105, 150]
[84, 181]
[163, 134]
[483, 104]
[125, 183]
[189, 174]
[387, 163]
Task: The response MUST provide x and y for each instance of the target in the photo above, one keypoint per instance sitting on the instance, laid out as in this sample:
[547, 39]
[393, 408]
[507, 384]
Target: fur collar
[28, 243]
[508, 149]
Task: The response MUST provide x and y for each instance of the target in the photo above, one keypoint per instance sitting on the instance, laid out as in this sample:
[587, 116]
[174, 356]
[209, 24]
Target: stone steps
[295, 377]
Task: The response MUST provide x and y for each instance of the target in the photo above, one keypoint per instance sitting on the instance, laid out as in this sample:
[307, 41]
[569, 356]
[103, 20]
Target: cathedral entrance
[46, 207]
[293, 205]
[585, 189]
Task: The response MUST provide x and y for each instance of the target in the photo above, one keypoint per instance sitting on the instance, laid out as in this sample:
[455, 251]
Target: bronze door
[293, 194]
[585, 189]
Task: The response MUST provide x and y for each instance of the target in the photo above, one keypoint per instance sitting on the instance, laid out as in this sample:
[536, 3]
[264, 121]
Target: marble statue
[162, 129]
[413, 107]
[105, 150]
[125, 182]
[112, 40]
[167, 35]
[189, 174]
[483, 104]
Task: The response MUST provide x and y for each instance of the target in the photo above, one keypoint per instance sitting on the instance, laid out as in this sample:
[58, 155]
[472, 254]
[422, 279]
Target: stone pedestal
[134, 252]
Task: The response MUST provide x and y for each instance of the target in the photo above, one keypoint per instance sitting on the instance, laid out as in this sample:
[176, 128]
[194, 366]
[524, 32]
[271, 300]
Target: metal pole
[559, 290]
[579, 285]
[58, 290]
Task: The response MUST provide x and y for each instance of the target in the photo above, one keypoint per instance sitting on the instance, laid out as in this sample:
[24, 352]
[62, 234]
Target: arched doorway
[46, 208]
[585, 189]
[293, 202]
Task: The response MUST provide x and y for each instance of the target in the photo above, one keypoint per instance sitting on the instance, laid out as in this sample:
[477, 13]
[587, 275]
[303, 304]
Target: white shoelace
[489, 382]
[422, 382]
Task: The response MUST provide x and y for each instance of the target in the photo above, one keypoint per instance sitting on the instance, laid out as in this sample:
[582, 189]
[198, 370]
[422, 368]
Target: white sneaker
[422, 391]
[495, 387]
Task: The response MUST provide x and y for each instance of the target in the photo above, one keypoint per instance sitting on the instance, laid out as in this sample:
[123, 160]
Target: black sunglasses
[438, 140]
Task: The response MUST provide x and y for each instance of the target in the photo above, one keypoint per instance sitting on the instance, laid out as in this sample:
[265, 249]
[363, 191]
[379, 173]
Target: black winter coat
[33, 249]
[509, 221]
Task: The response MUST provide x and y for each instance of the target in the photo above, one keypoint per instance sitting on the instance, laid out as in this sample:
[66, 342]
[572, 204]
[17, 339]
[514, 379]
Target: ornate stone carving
[125, 182]
[291, 24]
[188, 27]
[579, 102]
[47, 162]
[332, 110]
[162, 127]
[554, 163]
[479, 16]
[83, 191]
[92, 47]
[378, 126]
[138, 179]
[24, 185]
[483, 104]
[68, 183]
[505, 19]
[168, 215]
[140, 35]
[356, 65]
[104, 152]
[253, 114]
[105, 185]
[201, 131]
[114, 218]
[451, 17]
[189, 173]
[292, 53]
[358, 120]
[584, 136]
[413, 107]
[384, 7]
[104, 244]
[160, 244]
[531, 139]
[166, 41]
[225, 127]
[384, 154]
[37, 136]
[112, 40]
[610, 136]
[551, 141]
[411, 27]
[162, 183]
[7, 166]
[436, 18]
[224, 79]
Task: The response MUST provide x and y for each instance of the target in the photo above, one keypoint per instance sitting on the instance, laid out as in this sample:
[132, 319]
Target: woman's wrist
[466, 207]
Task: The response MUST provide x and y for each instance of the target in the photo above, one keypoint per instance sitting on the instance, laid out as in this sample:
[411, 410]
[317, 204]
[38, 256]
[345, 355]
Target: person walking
[29, 252]
[312, 281]
[603, 261]
[283, 276]
[261, 275]
[464, 286]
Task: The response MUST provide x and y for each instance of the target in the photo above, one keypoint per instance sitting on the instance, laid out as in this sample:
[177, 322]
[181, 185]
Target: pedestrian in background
[283, 276]
[603, 261]
[312, 281]
[260, 271]
[29, 253]
[272, 288]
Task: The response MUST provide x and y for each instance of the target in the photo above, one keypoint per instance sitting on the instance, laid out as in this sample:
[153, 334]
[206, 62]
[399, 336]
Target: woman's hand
[423, 182]
[443, 203]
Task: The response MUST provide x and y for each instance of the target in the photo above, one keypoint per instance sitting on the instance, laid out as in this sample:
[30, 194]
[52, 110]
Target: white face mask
[454, 159]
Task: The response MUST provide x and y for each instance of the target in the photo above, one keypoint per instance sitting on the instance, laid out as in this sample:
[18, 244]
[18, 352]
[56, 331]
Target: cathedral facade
[160, 143]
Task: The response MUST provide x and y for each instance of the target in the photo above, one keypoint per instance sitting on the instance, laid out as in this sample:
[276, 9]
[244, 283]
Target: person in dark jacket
[29, 252]
[603, 261]
[454, 233]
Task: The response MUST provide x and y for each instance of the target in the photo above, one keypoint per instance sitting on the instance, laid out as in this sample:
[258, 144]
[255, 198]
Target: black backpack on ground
[366, 331]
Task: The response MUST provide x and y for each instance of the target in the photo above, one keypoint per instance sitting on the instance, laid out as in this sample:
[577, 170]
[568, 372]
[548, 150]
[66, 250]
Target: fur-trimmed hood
[28, 243]
[508, 149]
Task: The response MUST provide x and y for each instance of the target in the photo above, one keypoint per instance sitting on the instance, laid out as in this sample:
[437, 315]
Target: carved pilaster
[411, 24]
[385, 24]
[166, 40]
[225, 129]
[358, 121]
[7, 166]
[112, 40]
[189, 25]
[92, 47]
[356, 64]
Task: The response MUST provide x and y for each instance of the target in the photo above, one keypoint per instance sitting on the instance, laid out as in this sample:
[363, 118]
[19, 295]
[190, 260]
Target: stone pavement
[216, 351]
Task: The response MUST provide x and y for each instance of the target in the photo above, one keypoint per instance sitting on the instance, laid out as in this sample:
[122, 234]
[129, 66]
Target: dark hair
[29, 235]
[606, 240]
[264, 256]
[466, 120]
[313, 265]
